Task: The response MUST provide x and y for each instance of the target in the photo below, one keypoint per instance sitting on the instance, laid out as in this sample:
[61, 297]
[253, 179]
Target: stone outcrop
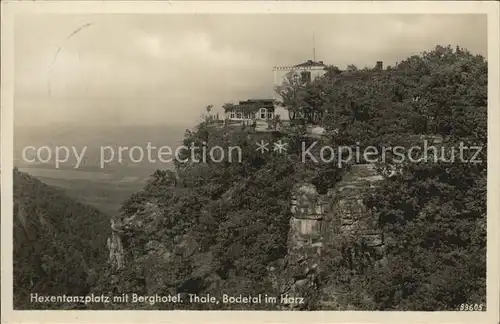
[308, 209]
[350, 217]
[145, 220]
[348, 214]
[318, 220]
[116, 252]
[300, 269]
[151, 260]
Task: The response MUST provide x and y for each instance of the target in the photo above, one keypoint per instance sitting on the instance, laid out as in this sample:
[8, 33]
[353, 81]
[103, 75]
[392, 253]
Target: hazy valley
[104, 188]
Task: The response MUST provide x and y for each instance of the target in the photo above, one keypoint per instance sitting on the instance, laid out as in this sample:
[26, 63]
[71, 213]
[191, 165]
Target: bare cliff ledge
[317, 221]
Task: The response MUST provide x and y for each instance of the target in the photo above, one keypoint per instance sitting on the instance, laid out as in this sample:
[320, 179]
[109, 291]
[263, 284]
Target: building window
[305, 76]
[238, 115]
[269, 115]
[262, 113]
[233, 115]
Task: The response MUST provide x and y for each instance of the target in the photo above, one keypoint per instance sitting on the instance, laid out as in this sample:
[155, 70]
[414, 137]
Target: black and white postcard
[237, 161]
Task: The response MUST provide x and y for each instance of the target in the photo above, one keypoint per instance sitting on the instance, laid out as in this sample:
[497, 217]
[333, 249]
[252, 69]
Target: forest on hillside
[220, 226]
[59, 244]
[229, 222]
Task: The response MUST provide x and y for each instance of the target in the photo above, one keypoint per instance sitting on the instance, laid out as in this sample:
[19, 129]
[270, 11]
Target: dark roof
[266, 103]
[311, 63]
[250, 105]
[248, 108]
[258, 100]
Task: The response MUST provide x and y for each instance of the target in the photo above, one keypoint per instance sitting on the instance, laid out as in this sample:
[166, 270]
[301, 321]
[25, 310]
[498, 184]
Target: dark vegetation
[59, 244]
[433, 214]
[224, 223]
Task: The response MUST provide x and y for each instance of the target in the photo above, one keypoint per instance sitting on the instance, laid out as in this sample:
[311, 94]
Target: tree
[433, 215]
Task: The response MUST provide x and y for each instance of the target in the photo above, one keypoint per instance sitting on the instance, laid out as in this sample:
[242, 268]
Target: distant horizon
[90, 125]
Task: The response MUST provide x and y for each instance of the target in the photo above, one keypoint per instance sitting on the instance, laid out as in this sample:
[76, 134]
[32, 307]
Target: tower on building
[304, 72]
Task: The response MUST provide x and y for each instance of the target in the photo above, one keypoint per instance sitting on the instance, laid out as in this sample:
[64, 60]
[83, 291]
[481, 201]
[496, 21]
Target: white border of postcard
[11, 8]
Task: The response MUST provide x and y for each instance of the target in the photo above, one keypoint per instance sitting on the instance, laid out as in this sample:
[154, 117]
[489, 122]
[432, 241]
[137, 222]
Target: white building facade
[307, 72]
[250, 110]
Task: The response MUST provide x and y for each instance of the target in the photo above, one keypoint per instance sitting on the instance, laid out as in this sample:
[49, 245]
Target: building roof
[262, 103]
[260, 100]
[250, 104]
[311, 63]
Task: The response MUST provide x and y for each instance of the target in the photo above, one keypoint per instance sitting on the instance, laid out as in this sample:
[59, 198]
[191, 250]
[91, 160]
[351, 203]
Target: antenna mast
[314, 49]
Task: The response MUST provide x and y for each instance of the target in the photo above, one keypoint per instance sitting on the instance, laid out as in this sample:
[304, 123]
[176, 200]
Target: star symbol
[262, 146]
[280, 146]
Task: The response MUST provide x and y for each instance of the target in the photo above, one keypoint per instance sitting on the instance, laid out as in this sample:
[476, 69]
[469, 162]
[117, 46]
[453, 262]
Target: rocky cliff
[319, 221]
[316, 222]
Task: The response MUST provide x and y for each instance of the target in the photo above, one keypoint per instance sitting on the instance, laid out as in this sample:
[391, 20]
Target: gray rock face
[308, 209]
[349, 215]
[116, 253]
[144, 221]
[318, 219]
[341, 211]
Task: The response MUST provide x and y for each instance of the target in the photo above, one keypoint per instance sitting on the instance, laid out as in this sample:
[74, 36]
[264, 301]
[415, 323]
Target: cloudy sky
[164, 69]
